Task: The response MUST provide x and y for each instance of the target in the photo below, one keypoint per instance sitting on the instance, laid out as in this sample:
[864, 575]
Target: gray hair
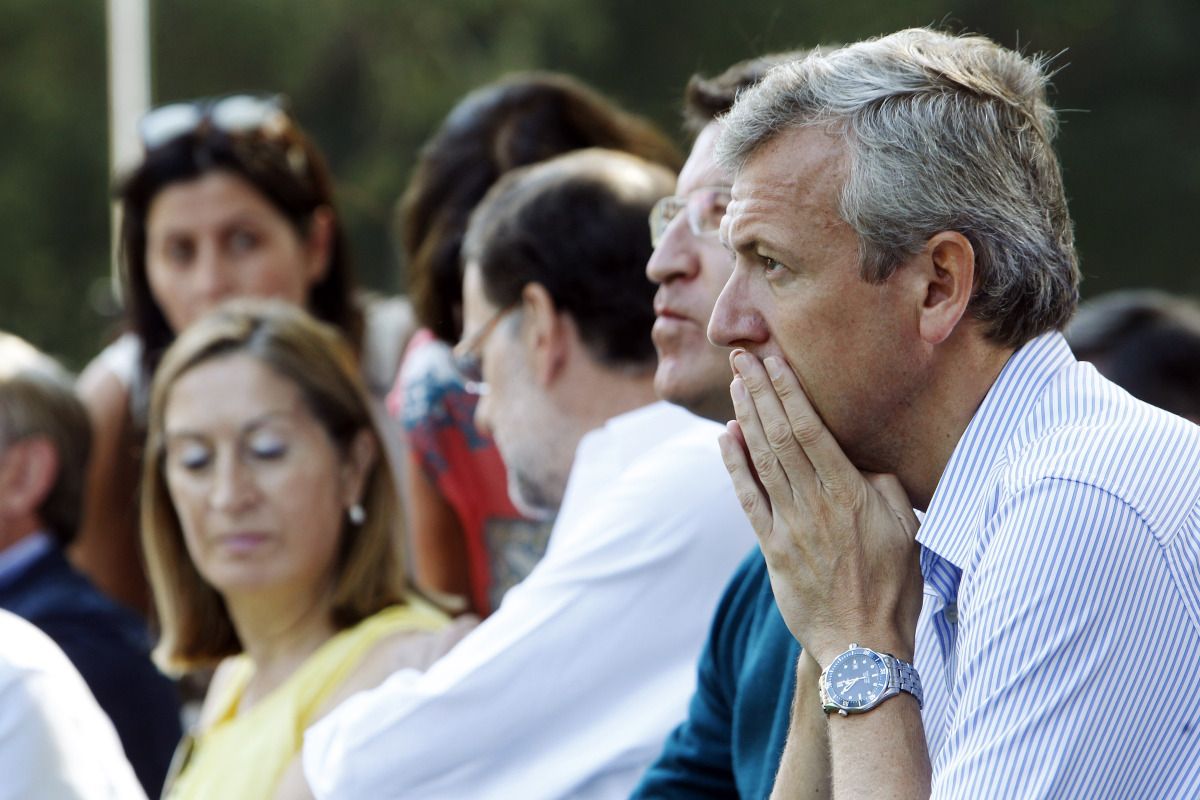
[943, 133]
[37, 399]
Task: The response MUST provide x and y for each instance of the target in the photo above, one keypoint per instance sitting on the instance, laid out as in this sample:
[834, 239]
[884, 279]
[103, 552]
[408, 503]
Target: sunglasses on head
[237, 113]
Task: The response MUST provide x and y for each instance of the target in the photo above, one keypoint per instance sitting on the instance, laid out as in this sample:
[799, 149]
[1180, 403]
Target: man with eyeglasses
[733, 737]
[571, 686]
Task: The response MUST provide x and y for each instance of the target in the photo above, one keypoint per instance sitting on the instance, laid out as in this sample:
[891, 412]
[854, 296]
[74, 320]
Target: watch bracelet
[902, 677]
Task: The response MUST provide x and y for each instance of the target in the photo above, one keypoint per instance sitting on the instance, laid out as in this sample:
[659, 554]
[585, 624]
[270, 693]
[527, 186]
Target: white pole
[128, 91]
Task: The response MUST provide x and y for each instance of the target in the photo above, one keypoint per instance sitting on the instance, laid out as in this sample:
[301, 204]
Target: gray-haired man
[904, 262]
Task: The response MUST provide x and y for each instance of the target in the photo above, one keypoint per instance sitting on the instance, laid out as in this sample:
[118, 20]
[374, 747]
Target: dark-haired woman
[231, 199]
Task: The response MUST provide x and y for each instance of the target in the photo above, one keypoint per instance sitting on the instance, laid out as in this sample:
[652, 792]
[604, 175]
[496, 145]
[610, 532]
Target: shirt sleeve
[55, 741]
[1068, 678]
[570, 687]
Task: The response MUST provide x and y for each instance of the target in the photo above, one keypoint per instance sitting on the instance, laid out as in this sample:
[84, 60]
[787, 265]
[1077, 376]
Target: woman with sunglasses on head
[232, 199]
[266, 503]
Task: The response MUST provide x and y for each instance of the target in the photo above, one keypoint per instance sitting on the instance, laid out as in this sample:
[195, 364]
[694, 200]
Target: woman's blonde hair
[196, 629]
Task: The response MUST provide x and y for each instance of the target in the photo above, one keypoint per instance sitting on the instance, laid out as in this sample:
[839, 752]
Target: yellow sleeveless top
[244, 755]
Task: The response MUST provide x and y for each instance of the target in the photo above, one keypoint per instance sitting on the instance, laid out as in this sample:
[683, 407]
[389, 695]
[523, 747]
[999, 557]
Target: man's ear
[546, 333]
[948, 283]
[28, 470]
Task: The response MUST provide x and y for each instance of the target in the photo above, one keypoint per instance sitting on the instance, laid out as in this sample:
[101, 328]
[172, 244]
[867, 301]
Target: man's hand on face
[839, 543]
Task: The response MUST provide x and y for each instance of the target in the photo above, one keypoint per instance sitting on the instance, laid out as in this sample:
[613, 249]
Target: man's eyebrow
[748, 243]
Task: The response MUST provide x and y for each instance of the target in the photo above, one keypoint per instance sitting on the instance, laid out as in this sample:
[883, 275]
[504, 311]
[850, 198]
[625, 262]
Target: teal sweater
[733, 738]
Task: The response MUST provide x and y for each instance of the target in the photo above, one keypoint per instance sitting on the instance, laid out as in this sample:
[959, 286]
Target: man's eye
[770, 265]
[710, 217]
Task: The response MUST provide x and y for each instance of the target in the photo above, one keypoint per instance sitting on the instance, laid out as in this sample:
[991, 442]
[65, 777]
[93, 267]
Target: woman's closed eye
[192, 456]
[267, 446]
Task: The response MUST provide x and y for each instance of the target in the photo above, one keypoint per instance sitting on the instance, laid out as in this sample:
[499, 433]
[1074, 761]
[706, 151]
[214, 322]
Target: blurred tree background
[371, 79]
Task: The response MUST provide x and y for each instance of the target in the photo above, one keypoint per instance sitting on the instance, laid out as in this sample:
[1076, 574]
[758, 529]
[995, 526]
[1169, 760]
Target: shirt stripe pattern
[1059, 641]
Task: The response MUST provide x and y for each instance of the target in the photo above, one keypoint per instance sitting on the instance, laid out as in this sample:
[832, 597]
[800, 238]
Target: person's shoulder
[388, 322]
[429, 382]
[106, 383]
[428, 359]
[750, 580]
[413, 648]
[403, 648]
[685, 456]
[61, 601]
[26, 649]
[747, 608]
[1090, 431]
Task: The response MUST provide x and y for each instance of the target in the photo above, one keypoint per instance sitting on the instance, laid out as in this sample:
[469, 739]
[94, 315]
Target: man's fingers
[745, 483]
[761, 455]
[773, 418]
[821, 450]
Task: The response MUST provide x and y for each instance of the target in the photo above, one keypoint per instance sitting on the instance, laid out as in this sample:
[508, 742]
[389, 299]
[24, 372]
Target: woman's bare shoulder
[104, 393]
[401, 650]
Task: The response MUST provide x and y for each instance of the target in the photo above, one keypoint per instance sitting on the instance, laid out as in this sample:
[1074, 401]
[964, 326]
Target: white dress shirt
[55, 742]
[571, 686]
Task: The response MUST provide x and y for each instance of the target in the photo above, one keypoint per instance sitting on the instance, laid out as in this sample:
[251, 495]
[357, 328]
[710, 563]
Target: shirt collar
[15, 558]
[959, 499]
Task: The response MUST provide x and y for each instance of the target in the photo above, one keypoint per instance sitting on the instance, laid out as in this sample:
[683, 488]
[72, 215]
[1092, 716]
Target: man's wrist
[860, 678]
[828, 650]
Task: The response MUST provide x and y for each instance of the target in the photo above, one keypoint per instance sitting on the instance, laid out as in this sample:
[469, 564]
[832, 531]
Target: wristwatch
[860, 679]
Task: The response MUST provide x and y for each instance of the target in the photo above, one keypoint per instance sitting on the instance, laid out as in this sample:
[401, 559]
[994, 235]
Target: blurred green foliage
[371, 79]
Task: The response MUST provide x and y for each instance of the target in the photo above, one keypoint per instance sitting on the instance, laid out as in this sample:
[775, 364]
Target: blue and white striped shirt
[1059, 641]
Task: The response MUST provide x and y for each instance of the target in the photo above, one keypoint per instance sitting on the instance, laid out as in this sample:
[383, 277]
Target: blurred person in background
[44, 442]
[1147, 342]
[467, 537]
[266, 505]
[55, 742]
[570, 687]
[231, 199]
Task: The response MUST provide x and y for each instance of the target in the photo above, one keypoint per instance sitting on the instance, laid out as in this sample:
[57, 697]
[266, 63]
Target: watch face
[856, 679]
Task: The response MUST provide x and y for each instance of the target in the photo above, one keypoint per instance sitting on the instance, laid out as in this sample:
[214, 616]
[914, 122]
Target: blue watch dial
[856, 678]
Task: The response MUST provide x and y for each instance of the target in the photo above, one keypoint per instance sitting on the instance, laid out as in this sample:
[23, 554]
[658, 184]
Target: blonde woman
[266, 511]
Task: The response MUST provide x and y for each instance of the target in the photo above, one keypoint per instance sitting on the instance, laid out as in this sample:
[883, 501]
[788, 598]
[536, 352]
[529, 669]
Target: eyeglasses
[468, 354]
[705, 207]
[238, 113]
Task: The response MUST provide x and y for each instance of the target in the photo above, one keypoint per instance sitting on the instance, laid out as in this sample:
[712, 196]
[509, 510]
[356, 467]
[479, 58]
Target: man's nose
[675, 257]
[735, 321]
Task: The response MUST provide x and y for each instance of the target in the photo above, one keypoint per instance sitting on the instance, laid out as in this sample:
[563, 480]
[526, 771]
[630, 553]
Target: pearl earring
[357, 514]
